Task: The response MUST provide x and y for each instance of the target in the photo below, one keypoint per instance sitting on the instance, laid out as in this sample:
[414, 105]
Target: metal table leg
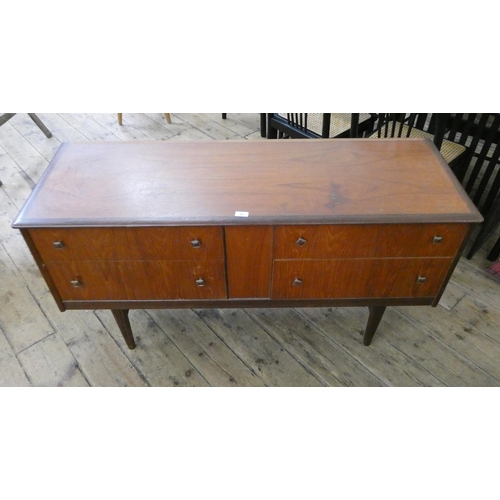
[7, 116]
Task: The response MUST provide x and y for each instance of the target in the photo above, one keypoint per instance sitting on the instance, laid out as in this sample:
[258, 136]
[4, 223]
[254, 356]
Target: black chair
[318, 125]
[431, 126]
[480, 173]
[491, 222]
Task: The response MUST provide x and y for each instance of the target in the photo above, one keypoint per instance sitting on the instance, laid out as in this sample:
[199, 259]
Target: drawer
[138, 280]
[368, 241]
[358, 278]
[129, 243]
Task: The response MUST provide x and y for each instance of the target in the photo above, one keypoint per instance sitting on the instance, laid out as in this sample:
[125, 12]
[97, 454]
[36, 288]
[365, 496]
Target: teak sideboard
[331, 222]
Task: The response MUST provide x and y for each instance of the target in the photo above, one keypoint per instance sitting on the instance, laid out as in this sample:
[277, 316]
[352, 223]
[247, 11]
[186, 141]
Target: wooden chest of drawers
[247, 224]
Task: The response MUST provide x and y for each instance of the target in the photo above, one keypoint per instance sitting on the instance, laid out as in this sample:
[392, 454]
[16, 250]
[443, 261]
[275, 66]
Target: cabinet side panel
[249, 261]
[43, 268]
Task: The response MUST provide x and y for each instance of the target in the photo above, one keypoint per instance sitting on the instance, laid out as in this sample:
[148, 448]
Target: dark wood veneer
[358, 278]
[130, 243]
[247, 224]
[368, 241]
[249, 261]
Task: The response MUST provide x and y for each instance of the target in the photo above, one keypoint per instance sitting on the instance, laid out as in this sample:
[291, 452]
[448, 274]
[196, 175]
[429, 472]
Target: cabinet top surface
[273, 181]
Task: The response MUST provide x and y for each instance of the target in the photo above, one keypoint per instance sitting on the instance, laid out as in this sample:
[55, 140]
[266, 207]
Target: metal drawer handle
[200, 282]
[421, 279]
[76, 283]
[196, 243]
[297, 282]
[301, 242]
[437, 239]
[58, 244]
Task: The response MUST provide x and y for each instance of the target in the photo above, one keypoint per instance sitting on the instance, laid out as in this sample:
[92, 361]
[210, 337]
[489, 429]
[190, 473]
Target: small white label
[241, 214]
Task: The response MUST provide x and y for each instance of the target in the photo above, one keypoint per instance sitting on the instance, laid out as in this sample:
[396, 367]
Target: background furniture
[319, 125]
[120, 116]
[247, 224]
[479, 133]
[420, 126]
[7, 116]
[491, 222]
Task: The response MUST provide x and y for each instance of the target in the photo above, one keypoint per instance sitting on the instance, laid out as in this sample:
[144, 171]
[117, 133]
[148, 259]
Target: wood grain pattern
[368, 240]
[207, 351]
[273, 364]
[11, 372]
[49, 363]
[348, 180]
[249, 261]
[161, 362]
[135, 243]
[19, 311]
[138, 280]
[356, 278]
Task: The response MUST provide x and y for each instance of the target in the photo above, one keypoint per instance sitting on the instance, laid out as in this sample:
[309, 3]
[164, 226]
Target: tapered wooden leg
[121, 318]
[120, 115]
[167, 117]
[376, 314]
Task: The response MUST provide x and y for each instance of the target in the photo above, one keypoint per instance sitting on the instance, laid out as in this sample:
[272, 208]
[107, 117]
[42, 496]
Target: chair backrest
[401, 124]
[480, 173]
[318, 125]
[298, 125]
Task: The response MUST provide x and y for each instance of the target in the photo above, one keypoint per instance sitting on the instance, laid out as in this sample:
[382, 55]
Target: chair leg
[167, 117]
[493, 255]
[224, 116]
[491, 221]
[272, 133]
[263, 125]
[6, 117]
[40, 125]
[120, 115]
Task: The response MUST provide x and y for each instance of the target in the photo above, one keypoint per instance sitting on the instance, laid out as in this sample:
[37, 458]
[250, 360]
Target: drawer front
[139, 280]
[368, 241]
[358, 278]
[129, 244]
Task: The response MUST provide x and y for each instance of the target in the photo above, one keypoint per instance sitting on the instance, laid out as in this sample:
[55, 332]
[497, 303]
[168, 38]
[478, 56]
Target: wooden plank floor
[455, 344]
